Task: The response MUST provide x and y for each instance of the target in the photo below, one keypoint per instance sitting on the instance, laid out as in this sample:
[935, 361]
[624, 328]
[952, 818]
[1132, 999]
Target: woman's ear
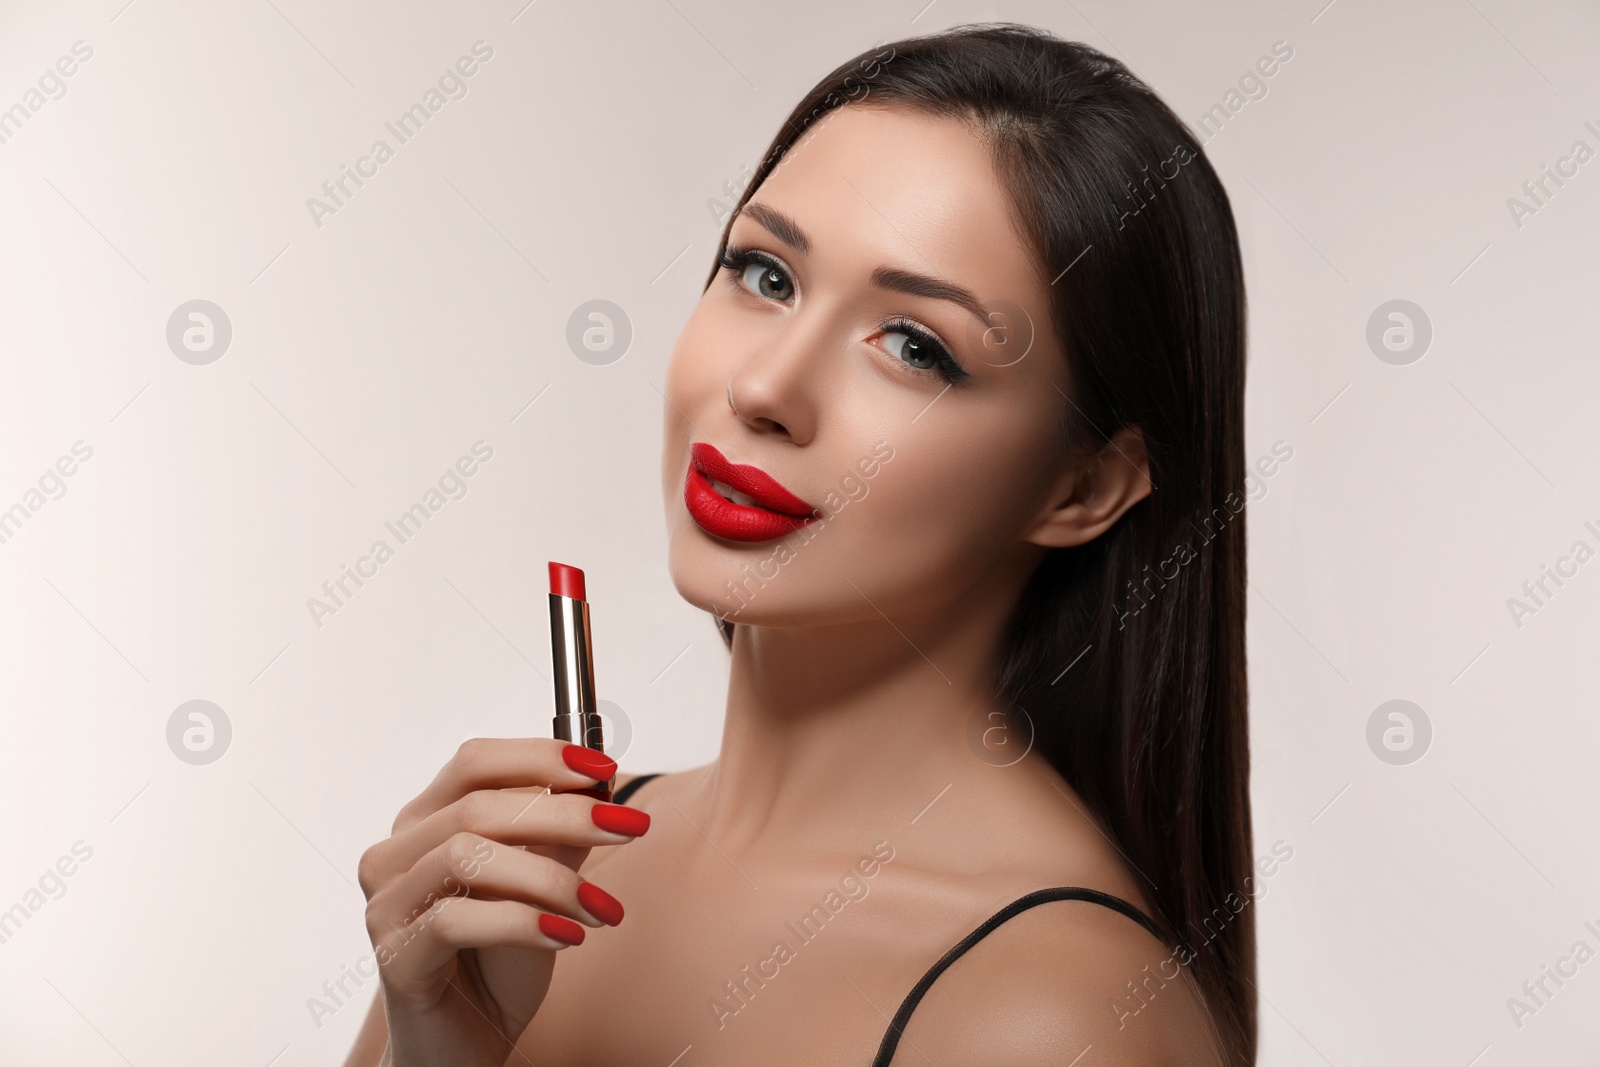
[1091, 495]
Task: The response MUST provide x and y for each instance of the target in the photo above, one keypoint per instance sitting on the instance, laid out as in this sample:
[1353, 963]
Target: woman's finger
[413, 955]
[503, 762]
[470, 864]
[514, 817]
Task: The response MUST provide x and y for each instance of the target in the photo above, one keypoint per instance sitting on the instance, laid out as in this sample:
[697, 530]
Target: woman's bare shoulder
[1058, 979]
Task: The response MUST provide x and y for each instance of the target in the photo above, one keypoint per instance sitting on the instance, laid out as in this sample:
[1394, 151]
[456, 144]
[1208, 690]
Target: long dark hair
[1125, 655]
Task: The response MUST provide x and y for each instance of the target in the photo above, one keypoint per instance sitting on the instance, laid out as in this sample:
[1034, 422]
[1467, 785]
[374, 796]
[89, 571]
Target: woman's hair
[1125, 656]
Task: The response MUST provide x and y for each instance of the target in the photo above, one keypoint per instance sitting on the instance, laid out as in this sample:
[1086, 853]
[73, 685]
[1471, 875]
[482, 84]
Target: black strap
[621, 796]
[891, 1037]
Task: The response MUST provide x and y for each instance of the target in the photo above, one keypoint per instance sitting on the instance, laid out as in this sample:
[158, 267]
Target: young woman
[982, 795]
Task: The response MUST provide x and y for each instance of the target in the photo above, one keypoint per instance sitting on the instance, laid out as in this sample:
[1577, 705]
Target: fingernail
[587, 761]
[599, 903]
[559, 928]
[620, 819]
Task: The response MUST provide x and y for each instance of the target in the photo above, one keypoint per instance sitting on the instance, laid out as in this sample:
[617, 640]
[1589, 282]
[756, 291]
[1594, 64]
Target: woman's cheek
[903, 507]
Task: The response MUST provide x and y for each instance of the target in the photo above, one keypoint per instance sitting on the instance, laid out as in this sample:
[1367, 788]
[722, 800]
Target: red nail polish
[587, 761]
[620, 819]
[559, 928]
[600, 904]
[598, 794]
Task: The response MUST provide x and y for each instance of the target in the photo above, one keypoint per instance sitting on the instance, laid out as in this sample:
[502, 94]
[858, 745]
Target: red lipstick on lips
[572, 654]
[774, 512]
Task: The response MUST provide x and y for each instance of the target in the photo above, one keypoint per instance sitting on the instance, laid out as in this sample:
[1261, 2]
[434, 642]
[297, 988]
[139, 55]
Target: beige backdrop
[160, 910]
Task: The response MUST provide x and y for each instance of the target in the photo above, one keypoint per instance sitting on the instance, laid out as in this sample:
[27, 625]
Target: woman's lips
[772, 510]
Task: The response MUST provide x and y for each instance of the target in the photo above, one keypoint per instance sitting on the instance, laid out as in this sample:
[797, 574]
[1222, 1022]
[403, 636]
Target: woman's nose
[777, 388]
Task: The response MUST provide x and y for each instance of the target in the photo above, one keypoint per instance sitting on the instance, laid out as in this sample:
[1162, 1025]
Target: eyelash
[735, 260]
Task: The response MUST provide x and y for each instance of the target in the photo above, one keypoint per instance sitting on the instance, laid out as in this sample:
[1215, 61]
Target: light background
[372, 351]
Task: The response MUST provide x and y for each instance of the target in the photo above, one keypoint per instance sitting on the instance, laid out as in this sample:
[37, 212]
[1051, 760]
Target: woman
[980, 313]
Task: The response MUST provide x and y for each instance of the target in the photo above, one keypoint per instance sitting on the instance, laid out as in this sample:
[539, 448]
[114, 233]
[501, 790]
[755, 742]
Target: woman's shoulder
[1058, 978]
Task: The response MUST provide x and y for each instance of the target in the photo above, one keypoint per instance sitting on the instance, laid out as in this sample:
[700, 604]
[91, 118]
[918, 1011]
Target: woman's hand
[477, 889]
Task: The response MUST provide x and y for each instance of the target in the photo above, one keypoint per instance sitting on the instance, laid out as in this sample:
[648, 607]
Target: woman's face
[925, 434]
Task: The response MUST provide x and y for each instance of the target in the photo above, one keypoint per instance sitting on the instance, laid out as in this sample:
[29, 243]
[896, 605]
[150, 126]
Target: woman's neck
[835, 732]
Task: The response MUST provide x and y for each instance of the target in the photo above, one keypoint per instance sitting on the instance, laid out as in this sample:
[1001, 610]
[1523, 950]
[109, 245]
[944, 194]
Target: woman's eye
[912, 350]
[767, 281]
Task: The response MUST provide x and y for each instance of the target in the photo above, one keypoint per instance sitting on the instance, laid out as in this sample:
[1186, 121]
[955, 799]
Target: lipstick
[577, 717]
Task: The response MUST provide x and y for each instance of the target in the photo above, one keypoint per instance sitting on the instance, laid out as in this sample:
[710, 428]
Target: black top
[891, 1037]
[621, 795]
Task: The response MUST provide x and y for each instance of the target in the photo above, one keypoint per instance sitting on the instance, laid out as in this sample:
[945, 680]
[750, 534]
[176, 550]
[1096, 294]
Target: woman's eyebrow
[789, 232]
[779, 225]
[905, 281]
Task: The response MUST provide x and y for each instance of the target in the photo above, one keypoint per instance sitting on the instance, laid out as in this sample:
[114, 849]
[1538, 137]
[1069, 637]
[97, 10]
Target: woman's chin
[708, 576]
